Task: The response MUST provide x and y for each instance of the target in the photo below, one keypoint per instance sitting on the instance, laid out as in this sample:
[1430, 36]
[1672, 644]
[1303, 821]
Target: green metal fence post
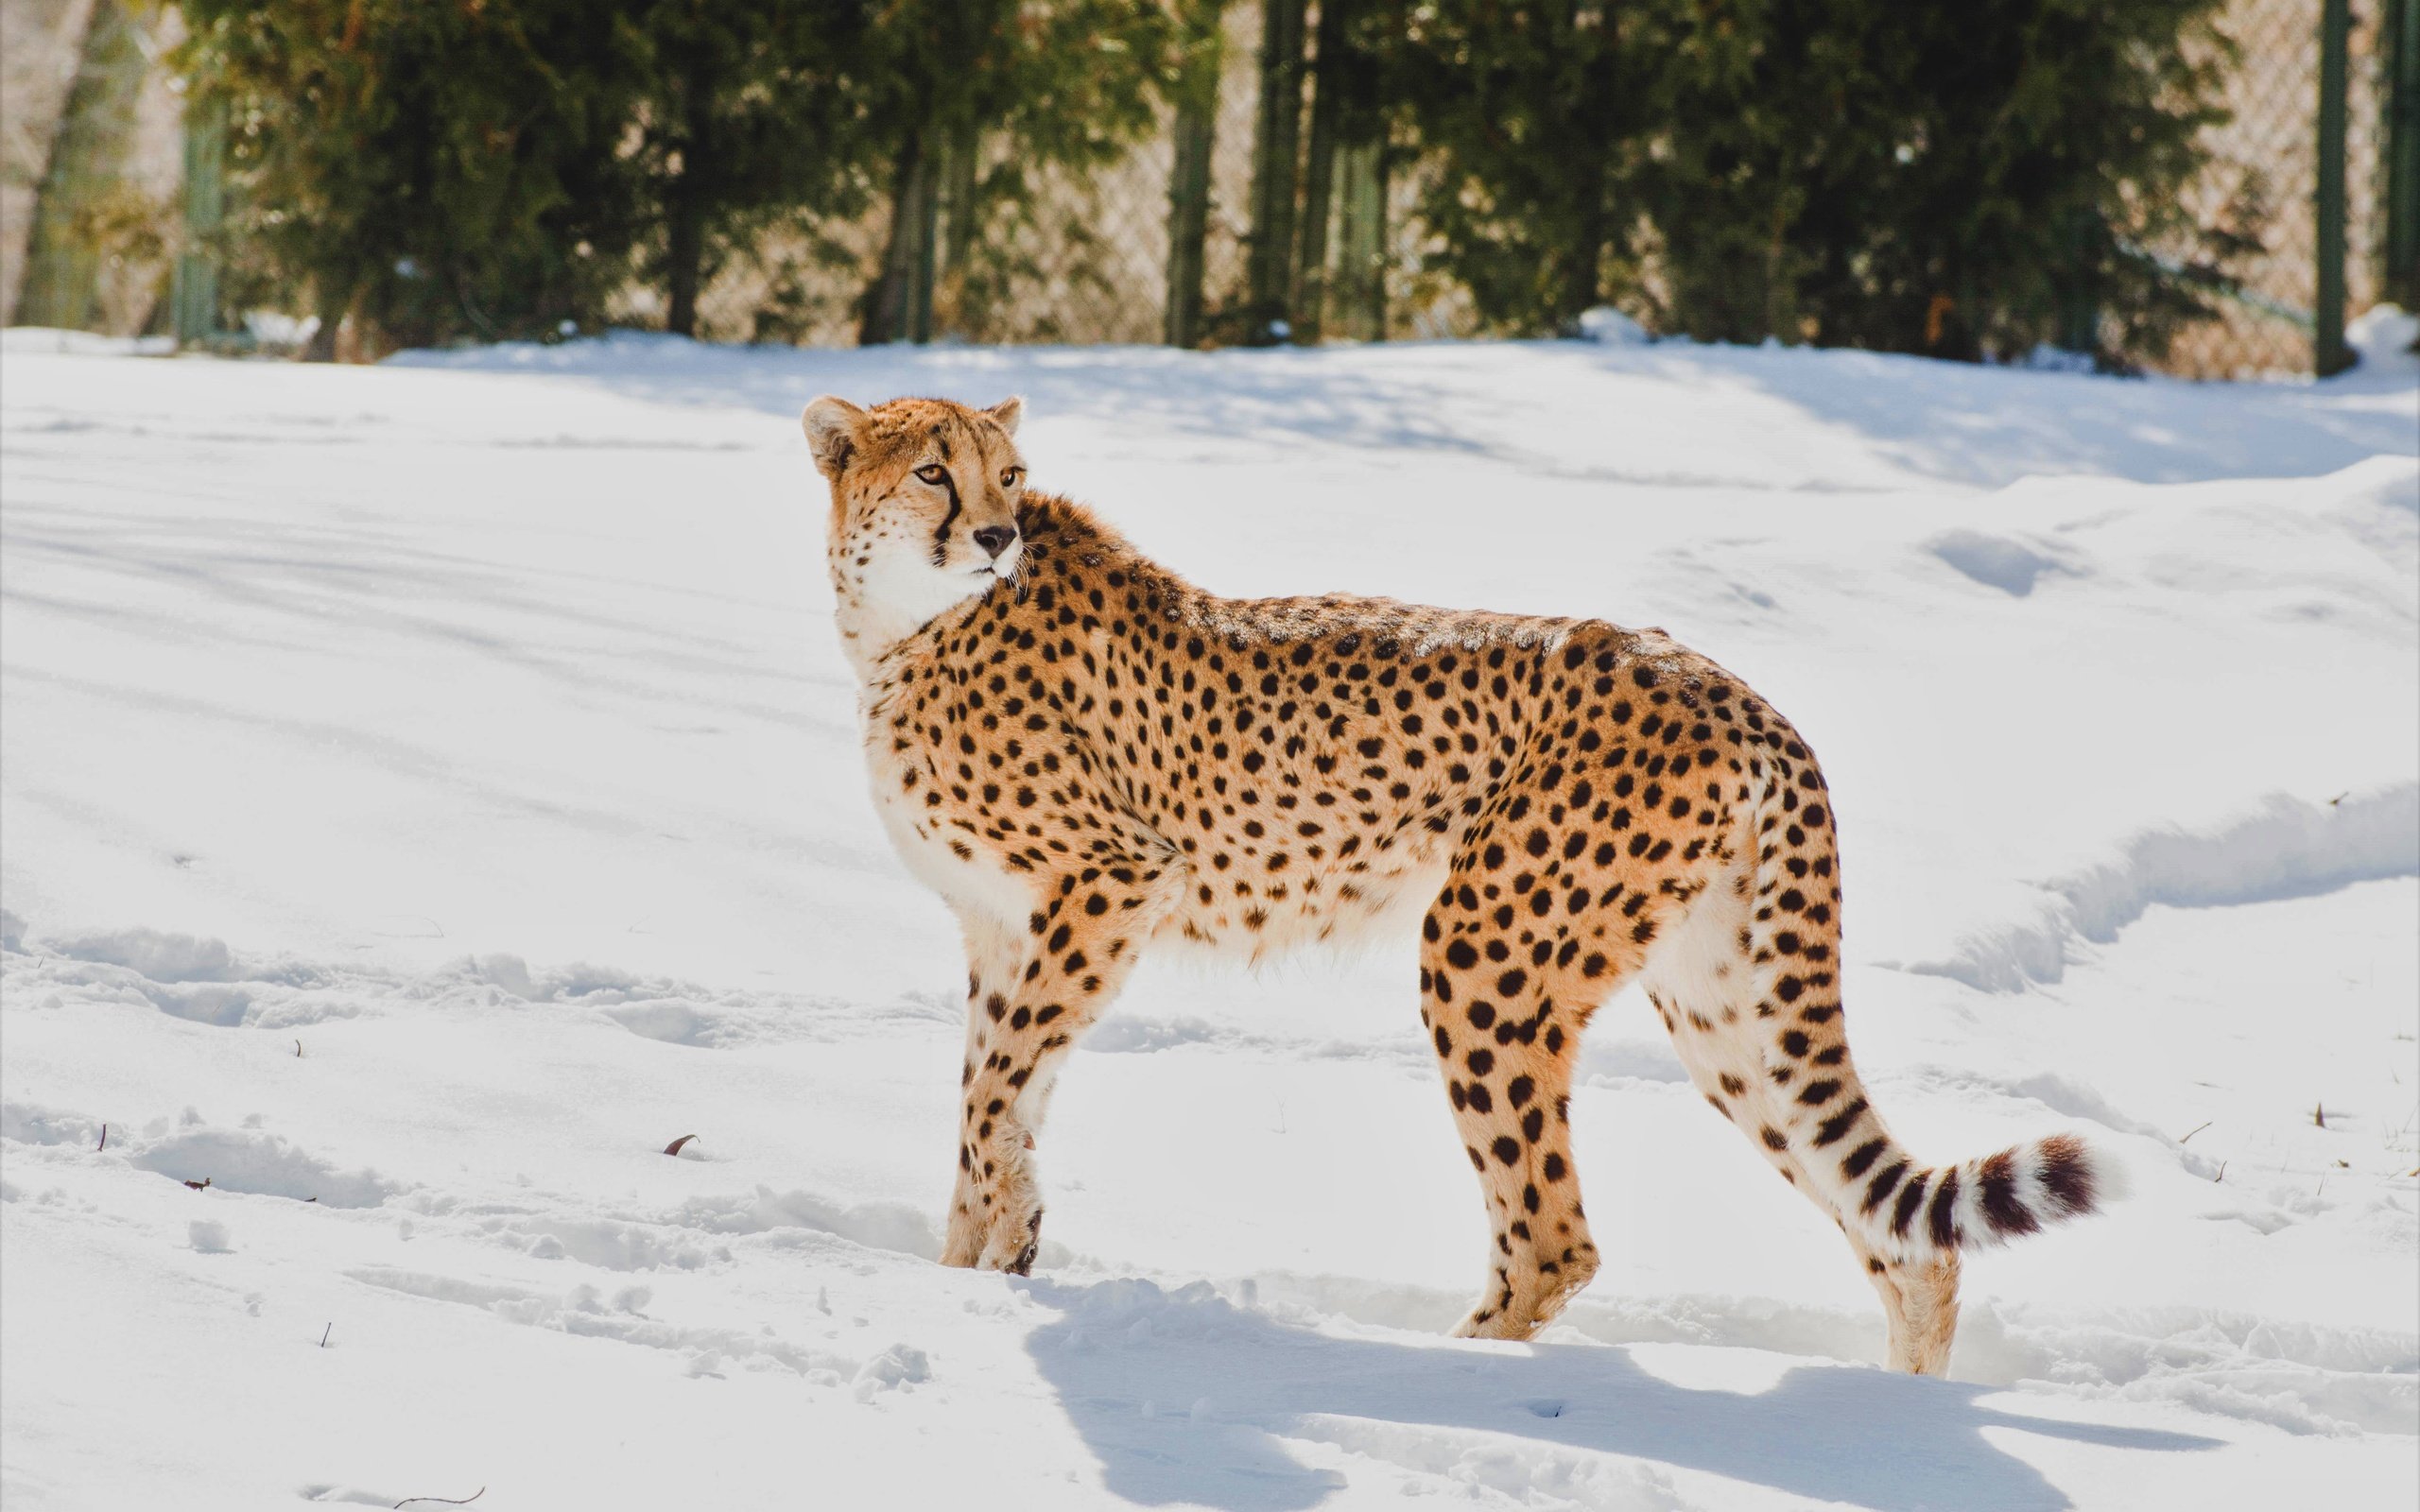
[1330, 80]
[1196, 132]
[2402, 65]
[2330, 353]
[920, 286]
[195, 296]
[1276, 145]
[958, 195]
[2078, 312]
[1361, 271]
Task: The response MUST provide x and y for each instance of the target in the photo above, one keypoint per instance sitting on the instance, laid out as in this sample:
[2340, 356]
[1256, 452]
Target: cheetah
[1085, 755]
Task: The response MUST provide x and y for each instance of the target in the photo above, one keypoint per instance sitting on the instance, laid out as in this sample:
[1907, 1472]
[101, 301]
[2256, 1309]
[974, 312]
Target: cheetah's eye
[932, 472]
[1010, 478]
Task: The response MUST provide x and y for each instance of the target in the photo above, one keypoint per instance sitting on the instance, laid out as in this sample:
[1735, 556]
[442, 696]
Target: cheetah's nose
[996, 538]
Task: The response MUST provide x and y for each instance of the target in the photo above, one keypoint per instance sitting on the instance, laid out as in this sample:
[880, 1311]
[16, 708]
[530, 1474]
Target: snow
[429, 791]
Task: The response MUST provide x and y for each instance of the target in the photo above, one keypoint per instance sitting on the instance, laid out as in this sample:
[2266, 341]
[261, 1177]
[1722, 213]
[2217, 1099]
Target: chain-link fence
[1082, 259]
[1092, 255]
[2264, 182]
[1161, 244]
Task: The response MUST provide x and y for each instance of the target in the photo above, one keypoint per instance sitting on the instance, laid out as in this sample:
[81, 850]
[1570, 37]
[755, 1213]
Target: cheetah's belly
[1334, 908]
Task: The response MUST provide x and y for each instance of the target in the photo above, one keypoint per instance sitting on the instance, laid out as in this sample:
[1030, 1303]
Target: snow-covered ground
[428, 791]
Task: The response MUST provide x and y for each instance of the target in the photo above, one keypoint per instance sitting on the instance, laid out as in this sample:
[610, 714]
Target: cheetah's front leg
[1026, 1003]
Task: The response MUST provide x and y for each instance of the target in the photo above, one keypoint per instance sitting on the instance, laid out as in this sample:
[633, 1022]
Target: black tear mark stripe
[940, 537]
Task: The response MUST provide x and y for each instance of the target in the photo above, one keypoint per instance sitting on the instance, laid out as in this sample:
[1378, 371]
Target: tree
[746, 112]
[1065, 83]
[1534, 115]
[433, 170]
[1964, 181]
[501, 167]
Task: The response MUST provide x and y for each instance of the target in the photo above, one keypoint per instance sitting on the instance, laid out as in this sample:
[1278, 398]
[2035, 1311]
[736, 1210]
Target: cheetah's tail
[1904, 1210]
[1826, 1130]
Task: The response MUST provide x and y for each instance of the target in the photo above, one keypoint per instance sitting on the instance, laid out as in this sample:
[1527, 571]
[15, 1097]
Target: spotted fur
[1086, 755]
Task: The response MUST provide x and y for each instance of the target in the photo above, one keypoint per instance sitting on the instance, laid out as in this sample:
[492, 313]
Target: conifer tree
[1055, 83]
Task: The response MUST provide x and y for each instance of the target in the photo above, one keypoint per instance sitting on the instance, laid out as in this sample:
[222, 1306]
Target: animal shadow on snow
[1185, 1397]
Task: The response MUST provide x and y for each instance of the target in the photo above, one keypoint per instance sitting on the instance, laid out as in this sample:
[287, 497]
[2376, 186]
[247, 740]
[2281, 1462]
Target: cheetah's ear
[832, 425]
[1007, 412]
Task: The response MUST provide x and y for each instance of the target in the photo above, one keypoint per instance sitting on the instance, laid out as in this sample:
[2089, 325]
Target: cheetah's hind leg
[1505, 1018]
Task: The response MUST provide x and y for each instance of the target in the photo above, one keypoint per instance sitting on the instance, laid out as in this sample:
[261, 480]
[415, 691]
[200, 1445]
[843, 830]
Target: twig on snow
[298, 1049]
[202, 1185]
[2223, 1173]
[325, 1332]
[2319, 1115]
[449, 1501]
[105, 1140]
[2196, 1129]
[674, 1148]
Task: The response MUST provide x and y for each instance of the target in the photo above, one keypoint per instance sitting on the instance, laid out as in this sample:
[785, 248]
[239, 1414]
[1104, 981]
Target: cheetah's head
[925, 496]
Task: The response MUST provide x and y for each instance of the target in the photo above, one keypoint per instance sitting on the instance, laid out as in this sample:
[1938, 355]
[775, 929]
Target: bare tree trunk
[886, 312]
[336, 301]
[1579, 282]
[87, 157]
[37, 44]
[685, 253]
